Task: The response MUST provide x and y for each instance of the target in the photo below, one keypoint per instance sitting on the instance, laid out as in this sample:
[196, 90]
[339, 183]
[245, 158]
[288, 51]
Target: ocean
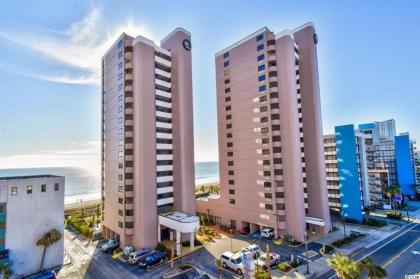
[86, 185]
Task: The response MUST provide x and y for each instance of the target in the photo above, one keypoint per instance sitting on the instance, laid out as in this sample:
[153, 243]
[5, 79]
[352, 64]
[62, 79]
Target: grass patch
[394, 215]
[342, 242]
[374, 223]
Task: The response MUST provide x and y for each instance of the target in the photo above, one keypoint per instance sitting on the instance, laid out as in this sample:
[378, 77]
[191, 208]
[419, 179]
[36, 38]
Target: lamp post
[306, 253]
[231, 240]
[343, 221]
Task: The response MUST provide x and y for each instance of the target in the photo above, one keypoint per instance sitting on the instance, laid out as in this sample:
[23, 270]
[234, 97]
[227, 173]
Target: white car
[262, 260]
[110, 245]
[233, 261]
[267, 233]
[253, 249]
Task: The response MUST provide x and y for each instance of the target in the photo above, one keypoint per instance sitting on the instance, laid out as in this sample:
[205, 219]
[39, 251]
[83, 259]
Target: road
[393, 253]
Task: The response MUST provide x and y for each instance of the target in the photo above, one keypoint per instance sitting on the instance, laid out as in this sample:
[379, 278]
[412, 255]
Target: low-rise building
[31, 206]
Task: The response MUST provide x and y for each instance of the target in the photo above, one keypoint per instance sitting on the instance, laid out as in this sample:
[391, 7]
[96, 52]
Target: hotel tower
[147, 137]
[272, 166]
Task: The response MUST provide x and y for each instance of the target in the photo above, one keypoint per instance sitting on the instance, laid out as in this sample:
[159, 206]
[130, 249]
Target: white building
[30, 206]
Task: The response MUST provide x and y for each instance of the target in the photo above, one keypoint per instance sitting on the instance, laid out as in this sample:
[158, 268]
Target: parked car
[255, 234]
[152, 259]
[111, 245]
[267, 233]
[96, 235]
[253, 249]
[262, 260]
[233, 261]
[44, 275]
[136, 256]
[117, 253]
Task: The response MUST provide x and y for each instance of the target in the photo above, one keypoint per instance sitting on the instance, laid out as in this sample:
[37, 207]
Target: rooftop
[180, 217]
[27, 177]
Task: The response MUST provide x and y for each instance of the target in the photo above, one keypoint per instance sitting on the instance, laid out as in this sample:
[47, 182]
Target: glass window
[262, 88]
[120, 76]
[14, 191]
[120, 109]
[120, 43]
[43, 188]
[261, 78]
[120, 142]
[120, 131]
[120, 154]
[260, 37]
[226, 64]
[120, 165]
[120, 177]
[260, 57]
[120, 98]
[120, 65]
[56, 187]
[120, 54]
[226, 55]
[120, 87]
[29, 189]
[261, 67]
[260, 47]
[120, 120]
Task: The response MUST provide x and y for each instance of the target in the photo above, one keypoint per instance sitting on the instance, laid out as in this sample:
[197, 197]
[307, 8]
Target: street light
[306, 253]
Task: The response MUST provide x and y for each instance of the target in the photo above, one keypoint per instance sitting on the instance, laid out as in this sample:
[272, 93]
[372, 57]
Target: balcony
[128, 99]
[165, 168]
[163, 136]
[164, 178]
[165, 190]
[271, 58]
[129, 219]
[271, 48]
[129, 88]
[272, 79]
[128, 76]
[129, 181]
[129, 170]
[129, 146]
[281, 212]
[163, 104]
[163, 93]
[274, 89]
[163, 146]
[129, 194]
[128, 111]
[162, 73]
[129, 206]
[129, 158]
[164, 114]
[129, 123]
[164, 157]
[165, 201]
[163, 83]
[162, 62]
[128, 55]
[164, 125]
[129, 134]
[129, 231]
[280, 200]
[128, 66]
[272, 68]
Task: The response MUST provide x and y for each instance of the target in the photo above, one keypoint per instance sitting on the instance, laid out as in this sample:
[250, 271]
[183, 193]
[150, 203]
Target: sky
[50, 51]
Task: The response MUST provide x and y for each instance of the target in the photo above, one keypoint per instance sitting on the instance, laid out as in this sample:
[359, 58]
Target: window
[231, 182]
[227, 99]
[56, 186]
[120, 86]
[264, 119]
[267, 173]
[261, 67]
[227, 90]
[120, 165]
[261, 78]
[120, 98]
[120, 177]
[269, 206]
[260, 47]
[120, 109]
[229, 135]
[263, 109]
[263, 99]
[120, 76]
[29, 189]
[120, 142]
[260, 57]
[120, 154]
[231, 172]
[120, 65]
[230, 163]
[228, 108]
[264, 130]
[227, 81]
[229, 144]
[266, 151]
[14, 191]
[120, 54]
[267, 184]
[268, 195]
[229, 117]
[265, 140]
[260, 37]
[274, 106]
[262, 88]
[230, 153]
[226, 72]
[120, 131]
[266, 162]
[120, 43]
[275, 127]
[44, 188]
[120, 120]
[226, 64]
[231, 201]
[231, 192]
[229, 126]
[226, 55]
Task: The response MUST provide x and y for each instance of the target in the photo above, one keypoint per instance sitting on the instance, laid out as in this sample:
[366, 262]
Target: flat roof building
[271, 157]
[31, 206]
[147, 135]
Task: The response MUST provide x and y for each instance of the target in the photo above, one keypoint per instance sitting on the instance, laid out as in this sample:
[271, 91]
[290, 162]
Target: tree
[48, 239]
[374, 271]
[344, 267]
[219, 266]
[91, 225]
[391, 192]
[6, 270]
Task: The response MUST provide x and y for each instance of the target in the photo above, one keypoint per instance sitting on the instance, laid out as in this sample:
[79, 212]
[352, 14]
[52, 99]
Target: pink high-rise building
[147, 139]
[272, 167]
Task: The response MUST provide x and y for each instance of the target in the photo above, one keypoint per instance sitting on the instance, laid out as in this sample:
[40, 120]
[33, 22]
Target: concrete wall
[28, 217]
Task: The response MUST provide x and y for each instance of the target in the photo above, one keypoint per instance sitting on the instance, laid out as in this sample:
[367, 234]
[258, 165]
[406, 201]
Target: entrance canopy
[315, 221]
[179, 221]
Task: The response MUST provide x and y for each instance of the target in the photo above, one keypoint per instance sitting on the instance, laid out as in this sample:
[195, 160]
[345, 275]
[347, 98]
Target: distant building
[417, 164]
[30, 206]
[405, 165]
[347, 178]
[270, 135]
[147, 139]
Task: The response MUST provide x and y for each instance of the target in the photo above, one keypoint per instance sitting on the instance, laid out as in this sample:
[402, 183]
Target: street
[393, 253]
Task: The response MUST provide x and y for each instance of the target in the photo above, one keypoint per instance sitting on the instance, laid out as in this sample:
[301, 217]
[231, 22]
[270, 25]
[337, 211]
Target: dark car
[152, 259]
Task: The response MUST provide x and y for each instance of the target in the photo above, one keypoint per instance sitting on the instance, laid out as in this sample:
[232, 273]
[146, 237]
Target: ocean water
[86, 185]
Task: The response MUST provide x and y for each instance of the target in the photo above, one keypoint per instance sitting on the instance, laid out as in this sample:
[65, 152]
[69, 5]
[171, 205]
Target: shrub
[285, 267]
[341, 242]
[162, 248]
[225, 228]
[295, 263]
[394, 215]
[261, 274]
[326, 249]
[187, 243]
[374, 222]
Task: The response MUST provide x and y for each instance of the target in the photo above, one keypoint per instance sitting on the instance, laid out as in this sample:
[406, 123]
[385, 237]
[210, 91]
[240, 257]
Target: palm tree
[6, 270]
[374, 271]
[91, 225]
[391, 192]
[46, 240]
[344, 267]
[219, 266]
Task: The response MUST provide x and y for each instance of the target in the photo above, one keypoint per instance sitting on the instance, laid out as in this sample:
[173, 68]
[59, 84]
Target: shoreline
[92, 201]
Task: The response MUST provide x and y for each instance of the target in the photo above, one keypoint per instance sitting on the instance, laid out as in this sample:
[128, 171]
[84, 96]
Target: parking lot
[88, 261]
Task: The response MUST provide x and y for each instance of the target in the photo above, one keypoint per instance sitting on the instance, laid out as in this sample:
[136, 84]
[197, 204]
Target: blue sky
[50, 56]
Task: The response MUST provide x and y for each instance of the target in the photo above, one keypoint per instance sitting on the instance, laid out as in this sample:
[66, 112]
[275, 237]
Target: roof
[180, 217]
[28, 177]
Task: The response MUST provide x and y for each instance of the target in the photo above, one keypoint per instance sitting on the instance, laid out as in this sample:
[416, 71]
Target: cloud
[80, 47]
[85, 155]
